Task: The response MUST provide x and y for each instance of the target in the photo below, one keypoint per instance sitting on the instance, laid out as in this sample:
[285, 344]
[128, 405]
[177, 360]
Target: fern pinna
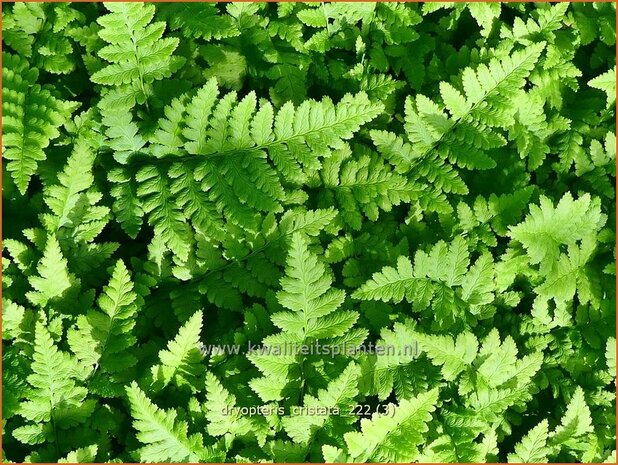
[335, 232]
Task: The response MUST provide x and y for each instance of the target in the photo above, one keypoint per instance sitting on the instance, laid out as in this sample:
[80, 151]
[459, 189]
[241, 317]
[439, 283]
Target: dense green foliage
[181, 175]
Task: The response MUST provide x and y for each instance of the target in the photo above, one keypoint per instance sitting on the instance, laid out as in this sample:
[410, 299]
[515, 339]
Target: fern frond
[453, 356]
[533, 447]
[531, 130]
[498, 365]
[312, 315]
[477, 116]
[575, 423]
[220, 411]
[599, 171]
[123, 135]
[480, 107]
[137, 51]
[77, 218]
[489, 406]
[307, 293]
[390, 284]
[16, 322]
[198, 21]
[54, 396]
[300, 232]
[252, 270]
[547, 228]
[337, 400]
[485, 14]
[548, 21]
[41, 33]
[541, 445]
[31, 116]
[164, 214]
[391, 368]
[568, 275]
[595, 21]
[293, 138]
[102, 338]
[440, 278]
[180, 363]
[489, 217]
[607, 83]
[166, 439]
[224, 171]
[75, 179]
[458, 440]
[396, 437]
[82, 455]
[364, 185]
[127, 206]
[610, 356]
[53, 275]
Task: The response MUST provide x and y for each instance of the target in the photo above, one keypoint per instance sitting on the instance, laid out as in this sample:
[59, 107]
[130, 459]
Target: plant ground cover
[224, 224]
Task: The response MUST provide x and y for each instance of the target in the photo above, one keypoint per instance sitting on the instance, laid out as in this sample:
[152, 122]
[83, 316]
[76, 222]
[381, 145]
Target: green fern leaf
[54, 397]
[198, 21]
[75, 179]
[102, 338]
[391, 368]
[393, 438]
[220, 411]
[306, 292]
[440, 278]
[478, 116]
[180, 363]
[53, 276]
[575, 422]
[610, 356]
[224, 172]
[364, 185]
[453, 356]
[548, 227]
[82, 455]
[166, 439]
[31, 116]
[533, 447]
[332, 404]
[607, 83]
[165, 215]
[312, 315]
[137, 52]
